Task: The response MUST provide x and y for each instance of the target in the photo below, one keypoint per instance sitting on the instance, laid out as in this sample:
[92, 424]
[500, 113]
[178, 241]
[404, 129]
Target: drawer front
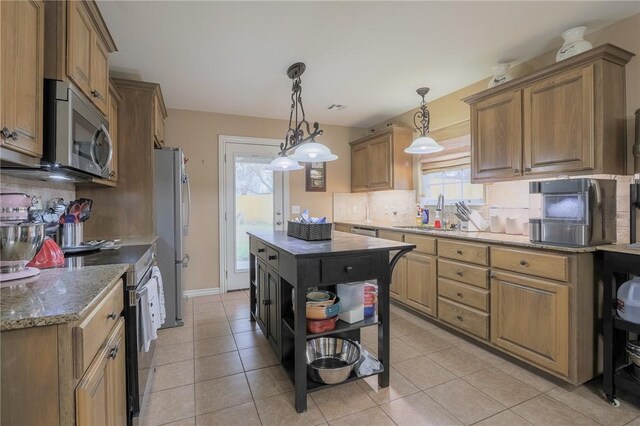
[465, 318]
[466, 252]
[424, 244]
[91, 332]
[261, 250]
[347, 268]
[464, 272]
[272, 258]
[390, 235]
[463, 293]
[546, 265]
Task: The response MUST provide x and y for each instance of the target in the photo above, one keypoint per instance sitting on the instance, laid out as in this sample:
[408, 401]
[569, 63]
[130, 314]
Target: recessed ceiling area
[232, 57]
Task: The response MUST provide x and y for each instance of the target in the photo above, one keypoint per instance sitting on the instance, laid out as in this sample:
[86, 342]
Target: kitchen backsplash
[386, 207]
[353, 207]
[43, 189]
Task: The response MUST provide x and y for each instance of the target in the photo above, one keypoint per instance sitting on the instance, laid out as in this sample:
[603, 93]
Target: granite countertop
[622, 248]
[340, 243]
[56, 296]
[485, 237]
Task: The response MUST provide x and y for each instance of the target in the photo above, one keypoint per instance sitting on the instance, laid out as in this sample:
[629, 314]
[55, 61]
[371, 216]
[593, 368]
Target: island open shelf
[280, 264]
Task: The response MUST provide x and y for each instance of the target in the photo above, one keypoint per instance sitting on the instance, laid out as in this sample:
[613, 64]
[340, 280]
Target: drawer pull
[273, 257]
[524, 263]
[459, 252]
[459, 318]
[460, 295]
[459, 273]
[261, 250]
[266, 302]
[114, 352]
[348, 269]
[112, 316]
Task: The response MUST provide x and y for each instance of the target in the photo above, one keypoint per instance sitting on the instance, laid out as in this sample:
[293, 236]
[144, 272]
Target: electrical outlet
[295, 209]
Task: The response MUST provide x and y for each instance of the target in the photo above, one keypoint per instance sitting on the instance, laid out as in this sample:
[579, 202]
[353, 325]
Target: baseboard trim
[202, 292]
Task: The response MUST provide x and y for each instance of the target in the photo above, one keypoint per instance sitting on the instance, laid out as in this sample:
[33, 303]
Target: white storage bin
[352, 299]
[629, 300]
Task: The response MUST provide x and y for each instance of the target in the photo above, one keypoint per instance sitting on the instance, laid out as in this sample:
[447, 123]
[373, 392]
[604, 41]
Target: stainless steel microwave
[76, 134]
[573, 212]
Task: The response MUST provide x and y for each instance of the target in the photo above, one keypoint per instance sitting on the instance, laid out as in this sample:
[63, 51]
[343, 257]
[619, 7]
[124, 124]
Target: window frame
[471, 202]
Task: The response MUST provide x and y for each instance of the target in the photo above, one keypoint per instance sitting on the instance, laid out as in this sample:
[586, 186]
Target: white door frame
[223, 140]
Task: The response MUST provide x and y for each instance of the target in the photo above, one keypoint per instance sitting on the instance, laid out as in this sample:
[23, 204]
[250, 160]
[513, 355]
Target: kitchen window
[455, 184]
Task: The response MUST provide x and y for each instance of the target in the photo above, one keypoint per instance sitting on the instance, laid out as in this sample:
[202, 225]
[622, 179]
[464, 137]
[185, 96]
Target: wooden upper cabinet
[159, 114]
[497, 130]
[530, 319]
[77, 48]
[560, 108]
[21, 75]
[568, 118]
[378, 162]
[80, 41]
[99, 74]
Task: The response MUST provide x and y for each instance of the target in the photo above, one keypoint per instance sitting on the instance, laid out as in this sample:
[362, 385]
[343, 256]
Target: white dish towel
[155, 274]
[149, 314]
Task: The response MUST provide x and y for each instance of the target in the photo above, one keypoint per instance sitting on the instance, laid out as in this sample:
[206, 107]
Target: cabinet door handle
[492, 276]
[524, 263]
[8, 134]
[96, 94]
[114, 352]
[266, 302]
[459, 318]
[460, 295]
[527, 169]
[272, 257]
[459, 252]
[348, 269]
[516, 171]
[459, 273]
[112, 315]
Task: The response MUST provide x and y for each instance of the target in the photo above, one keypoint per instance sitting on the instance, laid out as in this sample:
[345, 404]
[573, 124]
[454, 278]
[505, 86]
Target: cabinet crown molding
[387, 130]
[607, 52]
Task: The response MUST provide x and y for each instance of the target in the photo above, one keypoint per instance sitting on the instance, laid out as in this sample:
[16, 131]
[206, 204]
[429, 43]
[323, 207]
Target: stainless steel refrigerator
[172, 211]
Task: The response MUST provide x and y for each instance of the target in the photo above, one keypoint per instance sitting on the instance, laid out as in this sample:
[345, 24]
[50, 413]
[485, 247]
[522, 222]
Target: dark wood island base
[282, 268]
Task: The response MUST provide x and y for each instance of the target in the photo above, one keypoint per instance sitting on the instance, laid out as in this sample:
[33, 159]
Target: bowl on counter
[331, 360]
[18, 245]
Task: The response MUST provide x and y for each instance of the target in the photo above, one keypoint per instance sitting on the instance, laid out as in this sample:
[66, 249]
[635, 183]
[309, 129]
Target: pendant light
[423, 144]
[305, 148]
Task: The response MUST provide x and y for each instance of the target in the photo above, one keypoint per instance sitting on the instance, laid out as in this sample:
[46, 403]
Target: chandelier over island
[305, 148]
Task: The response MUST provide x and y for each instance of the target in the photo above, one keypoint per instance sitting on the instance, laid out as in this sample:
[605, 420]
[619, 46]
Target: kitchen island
[282, 268]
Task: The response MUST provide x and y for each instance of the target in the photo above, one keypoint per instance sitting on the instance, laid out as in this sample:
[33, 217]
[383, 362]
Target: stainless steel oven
[76, 134]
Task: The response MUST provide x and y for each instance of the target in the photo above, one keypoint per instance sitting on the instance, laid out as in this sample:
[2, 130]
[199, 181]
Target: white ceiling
[231, 57]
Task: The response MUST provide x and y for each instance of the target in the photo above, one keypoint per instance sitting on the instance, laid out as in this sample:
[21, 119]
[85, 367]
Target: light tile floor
[219, 370]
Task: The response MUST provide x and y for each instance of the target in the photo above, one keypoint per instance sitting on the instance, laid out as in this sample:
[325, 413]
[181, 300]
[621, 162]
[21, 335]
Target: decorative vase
[573, 43]
[500, 75]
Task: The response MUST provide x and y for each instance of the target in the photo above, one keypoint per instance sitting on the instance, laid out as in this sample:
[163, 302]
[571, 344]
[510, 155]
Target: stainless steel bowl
[330, 360]
[18, 245]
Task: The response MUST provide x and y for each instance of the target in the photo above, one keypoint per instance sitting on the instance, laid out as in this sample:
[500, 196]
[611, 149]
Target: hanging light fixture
[423, 144]
[306, 148]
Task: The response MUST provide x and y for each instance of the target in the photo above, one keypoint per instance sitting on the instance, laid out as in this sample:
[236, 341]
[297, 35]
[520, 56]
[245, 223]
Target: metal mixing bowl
[18, 245]
[330, 360]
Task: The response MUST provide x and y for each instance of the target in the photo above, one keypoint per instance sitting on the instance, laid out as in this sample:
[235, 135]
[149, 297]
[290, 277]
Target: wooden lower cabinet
[101, 394]
[398, 286]
[421, 276]
[530, 319]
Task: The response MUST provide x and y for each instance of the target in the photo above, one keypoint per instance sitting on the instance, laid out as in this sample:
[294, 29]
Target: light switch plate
[295, 209]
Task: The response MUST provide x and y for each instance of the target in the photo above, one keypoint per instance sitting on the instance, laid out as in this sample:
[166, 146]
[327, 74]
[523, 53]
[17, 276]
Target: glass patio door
[254, 202]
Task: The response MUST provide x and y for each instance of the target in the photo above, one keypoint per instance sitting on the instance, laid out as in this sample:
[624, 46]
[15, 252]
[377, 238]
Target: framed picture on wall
[316, 177]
